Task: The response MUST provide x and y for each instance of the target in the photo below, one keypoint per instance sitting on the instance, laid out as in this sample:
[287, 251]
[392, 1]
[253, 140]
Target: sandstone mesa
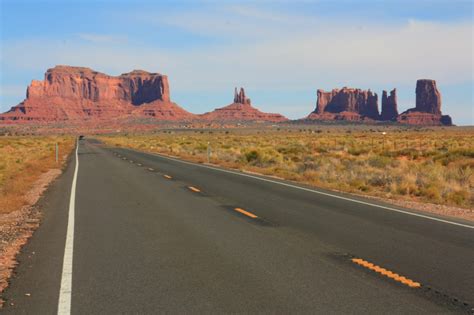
[78, 93]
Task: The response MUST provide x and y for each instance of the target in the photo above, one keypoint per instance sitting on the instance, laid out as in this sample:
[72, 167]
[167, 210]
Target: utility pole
[57, 152]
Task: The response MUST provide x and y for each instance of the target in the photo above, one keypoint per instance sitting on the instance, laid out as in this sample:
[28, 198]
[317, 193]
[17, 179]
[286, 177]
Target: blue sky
[280, 51]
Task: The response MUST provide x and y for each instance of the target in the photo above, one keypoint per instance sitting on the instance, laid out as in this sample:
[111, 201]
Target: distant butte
[241, 110]
[346, 104]
[78, 93]
[428, 106]
[349, 104]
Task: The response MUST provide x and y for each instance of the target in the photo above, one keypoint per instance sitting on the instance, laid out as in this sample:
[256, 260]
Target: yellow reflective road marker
[194, 189]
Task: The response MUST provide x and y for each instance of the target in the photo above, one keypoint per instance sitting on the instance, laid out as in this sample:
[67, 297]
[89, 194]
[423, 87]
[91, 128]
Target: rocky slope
[77, 93]
[241, 110]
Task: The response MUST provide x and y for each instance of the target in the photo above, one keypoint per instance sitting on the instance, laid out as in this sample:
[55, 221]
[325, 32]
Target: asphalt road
[158, 235]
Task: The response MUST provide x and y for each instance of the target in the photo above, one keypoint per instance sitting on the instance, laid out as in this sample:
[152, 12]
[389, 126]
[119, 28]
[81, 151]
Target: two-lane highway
[152, 234]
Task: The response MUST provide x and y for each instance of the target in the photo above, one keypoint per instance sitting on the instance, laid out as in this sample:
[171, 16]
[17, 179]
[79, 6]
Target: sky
[281, 52]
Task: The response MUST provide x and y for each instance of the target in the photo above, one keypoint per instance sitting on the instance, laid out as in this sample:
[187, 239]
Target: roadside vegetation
[434, 166]
[22, 161]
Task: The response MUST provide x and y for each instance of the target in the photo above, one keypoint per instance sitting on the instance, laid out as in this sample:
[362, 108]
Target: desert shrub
[431, 192]
[408, 152]
[379, 161]
[321, 150]
[294, 152]
[380, 180]
[201, 147]
[252, 156]
[359, 184]
[308, 165]
[358, 151]
[458, 197]
[262, 158]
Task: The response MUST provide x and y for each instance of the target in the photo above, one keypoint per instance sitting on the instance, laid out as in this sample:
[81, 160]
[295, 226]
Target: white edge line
[310, 190]
[64, 303]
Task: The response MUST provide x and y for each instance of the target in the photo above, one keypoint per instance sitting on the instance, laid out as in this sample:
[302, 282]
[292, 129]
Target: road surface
[140, 233]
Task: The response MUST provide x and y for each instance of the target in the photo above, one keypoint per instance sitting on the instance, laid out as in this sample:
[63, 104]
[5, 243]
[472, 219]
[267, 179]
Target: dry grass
[22, 161]
[433, 166]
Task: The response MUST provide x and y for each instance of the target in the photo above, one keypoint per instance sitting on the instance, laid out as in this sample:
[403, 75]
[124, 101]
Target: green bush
[252, 156]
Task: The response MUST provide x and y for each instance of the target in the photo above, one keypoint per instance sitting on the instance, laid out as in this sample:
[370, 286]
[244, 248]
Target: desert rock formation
[389, 106]
[346, 104]
[427, 110]
[82, 94]
[240, 97]
[241, 110]
[78, 93]
[358, 105]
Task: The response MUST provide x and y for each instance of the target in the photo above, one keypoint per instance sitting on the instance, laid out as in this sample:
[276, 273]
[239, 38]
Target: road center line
[64, 303]
[312, 190]
[249, 214]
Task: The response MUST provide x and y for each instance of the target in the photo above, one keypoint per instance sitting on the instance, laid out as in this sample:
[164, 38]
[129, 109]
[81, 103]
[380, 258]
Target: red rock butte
[351, 104]
[241, 110]
[78, 93]
[427, 110]
[346, 104]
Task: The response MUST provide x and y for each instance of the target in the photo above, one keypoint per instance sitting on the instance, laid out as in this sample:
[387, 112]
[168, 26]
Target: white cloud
[341, 56]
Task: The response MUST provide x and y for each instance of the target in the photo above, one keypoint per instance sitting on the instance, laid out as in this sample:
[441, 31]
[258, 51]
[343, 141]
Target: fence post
[208, 152]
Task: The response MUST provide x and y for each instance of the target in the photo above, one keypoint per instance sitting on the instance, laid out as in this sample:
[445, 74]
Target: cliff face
[358, 105]
[389, 106]
[136, 87]
[241, 110]
[427, 110]
[428, 98]
[82, 93]
[346, 104]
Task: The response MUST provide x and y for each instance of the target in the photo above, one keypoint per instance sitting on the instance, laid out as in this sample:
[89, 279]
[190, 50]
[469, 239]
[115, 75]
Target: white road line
[313, 191]
[64, 304]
